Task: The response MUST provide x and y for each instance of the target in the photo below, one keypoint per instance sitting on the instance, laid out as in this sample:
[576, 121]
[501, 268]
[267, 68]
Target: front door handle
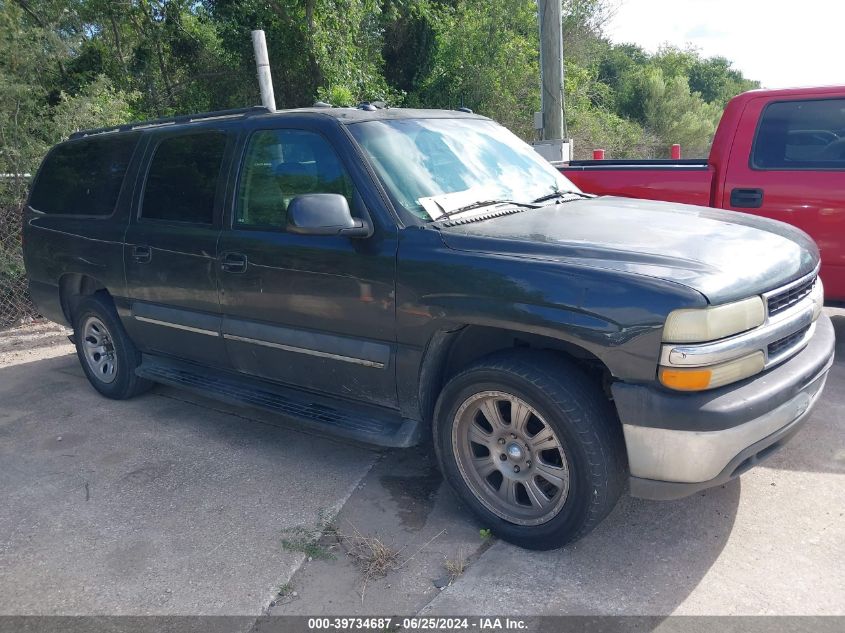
[747, 198]
[233, 263]
[142, 254]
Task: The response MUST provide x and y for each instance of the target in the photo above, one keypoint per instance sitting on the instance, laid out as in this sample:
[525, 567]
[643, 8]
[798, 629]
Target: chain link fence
[15, 305]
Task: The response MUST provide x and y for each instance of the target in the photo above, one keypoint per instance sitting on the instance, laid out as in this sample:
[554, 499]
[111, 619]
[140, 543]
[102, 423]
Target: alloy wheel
[510, 457]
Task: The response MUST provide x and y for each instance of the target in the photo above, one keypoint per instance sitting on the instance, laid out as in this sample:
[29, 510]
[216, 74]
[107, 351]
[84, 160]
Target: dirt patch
[34, 341]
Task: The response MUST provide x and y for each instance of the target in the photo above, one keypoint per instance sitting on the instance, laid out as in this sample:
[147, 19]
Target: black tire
[122, 383]
[570, 404]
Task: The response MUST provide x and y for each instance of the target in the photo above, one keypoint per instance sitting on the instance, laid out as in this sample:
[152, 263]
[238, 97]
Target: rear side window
[83, 177]
[801, 135]
[182, 179]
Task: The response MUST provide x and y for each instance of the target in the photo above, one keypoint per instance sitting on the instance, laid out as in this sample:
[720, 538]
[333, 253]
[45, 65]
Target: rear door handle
[233, 263]
[142, 254]
[747, 198]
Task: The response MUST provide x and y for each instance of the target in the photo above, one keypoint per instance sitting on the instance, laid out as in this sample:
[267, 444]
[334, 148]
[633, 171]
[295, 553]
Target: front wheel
[531, 446]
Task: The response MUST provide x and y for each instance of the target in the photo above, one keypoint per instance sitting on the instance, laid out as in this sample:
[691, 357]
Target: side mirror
[324, 214]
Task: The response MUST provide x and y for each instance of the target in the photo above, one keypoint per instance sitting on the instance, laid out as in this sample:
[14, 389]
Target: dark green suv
[391, 275]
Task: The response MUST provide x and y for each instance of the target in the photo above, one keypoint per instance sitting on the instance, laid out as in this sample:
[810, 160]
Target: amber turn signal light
[685, 379]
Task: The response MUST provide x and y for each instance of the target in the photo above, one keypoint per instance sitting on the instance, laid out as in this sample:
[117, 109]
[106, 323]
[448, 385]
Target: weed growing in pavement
[284, 590]
[455, 566]
[305, 540]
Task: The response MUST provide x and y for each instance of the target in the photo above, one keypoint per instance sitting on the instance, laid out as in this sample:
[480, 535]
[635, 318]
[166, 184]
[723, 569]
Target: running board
[365, 423]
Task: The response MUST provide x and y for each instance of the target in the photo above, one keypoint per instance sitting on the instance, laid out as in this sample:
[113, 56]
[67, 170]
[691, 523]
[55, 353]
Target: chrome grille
[780, 301]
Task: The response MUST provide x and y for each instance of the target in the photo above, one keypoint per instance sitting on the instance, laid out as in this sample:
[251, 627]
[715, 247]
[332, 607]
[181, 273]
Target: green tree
[591, 121]
[486, 58]
[36, 56]
[676, 115]
[158, 57]
[717, 81]
[69, 64]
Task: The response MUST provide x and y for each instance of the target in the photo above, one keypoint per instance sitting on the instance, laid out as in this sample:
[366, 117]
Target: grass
[284, 590]
[374, 557]
[310, 540]
[455, 566]
[306, 541]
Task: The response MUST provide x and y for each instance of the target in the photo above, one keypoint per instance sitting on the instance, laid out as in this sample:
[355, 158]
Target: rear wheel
[106, 352]
[532, 446]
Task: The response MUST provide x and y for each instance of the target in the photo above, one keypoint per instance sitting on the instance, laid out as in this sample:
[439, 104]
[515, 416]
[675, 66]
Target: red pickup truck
[776, 153]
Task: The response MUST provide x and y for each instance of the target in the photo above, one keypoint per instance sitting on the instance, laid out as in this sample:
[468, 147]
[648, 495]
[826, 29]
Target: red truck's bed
[687, 181]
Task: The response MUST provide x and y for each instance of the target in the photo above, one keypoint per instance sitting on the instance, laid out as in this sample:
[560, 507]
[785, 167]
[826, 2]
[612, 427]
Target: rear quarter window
[83, 177]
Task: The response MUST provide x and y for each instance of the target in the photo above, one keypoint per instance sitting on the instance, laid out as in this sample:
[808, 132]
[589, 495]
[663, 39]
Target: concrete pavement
[174, 504]
[165, 504]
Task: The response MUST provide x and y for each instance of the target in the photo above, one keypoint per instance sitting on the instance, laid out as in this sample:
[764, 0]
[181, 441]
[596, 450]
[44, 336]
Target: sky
[778, 42]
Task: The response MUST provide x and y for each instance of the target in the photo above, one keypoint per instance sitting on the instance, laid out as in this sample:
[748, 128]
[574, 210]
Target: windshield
[434, 166]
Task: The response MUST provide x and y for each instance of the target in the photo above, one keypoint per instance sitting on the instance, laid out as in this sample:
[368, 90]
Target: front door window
[281, 165]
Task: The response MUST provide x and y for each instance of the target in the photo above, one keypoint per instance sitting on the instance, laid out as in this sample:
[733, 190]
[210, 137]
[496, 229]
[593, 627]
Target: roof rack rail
[174, 120]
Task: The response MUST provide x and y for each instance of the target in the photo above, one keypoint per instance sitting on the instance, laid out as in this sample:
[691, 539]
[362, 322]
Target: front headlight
[700, 325]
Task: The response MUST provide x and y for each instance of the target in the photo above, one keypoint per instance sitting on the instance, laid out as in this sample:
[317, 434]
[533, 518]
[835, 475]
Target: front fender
[616, 316]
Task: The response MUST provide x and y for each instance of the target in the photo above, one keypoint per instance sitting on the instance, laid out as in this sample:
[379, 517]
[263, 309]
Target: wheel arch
[74, 286]
[449, 351]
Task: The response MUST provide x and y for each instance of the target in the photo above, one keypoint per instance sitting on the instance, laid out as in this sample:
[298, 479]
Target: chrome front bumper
[680, 443]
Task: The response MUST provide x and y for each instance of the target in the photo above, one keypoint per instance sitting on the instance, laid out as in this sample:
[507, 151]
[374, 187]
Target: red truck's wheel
[532, 446]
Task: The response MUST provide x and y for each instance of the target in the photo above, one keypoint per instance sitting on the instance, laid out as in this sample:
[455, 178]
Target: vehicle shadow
[246, 423]
[644, 559]
[629, 564]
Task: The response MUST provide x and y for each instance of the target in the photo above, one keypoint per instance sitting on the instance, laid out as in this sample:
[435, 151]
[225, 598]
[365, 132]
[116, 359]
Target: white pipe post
[262, 64]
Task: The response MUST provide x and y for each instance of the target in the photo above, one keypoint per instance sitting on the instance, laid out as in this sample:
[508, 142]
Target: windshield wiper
[561, 194]
[484, 203]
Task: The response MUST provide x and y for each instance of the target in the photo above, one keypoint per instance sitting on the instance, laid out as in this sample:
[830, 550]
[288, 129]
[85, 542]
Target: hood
[725, 255]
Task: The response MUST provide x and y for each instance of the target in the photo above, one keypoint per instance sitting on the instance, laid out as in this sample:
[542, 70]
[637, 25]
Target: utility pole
[550, 122]
[262, 63]
[551, 69]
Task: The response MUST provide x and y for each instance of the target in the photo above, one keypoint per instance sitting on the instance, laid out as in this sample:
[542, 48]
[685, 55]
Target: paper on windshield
[437, 206]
